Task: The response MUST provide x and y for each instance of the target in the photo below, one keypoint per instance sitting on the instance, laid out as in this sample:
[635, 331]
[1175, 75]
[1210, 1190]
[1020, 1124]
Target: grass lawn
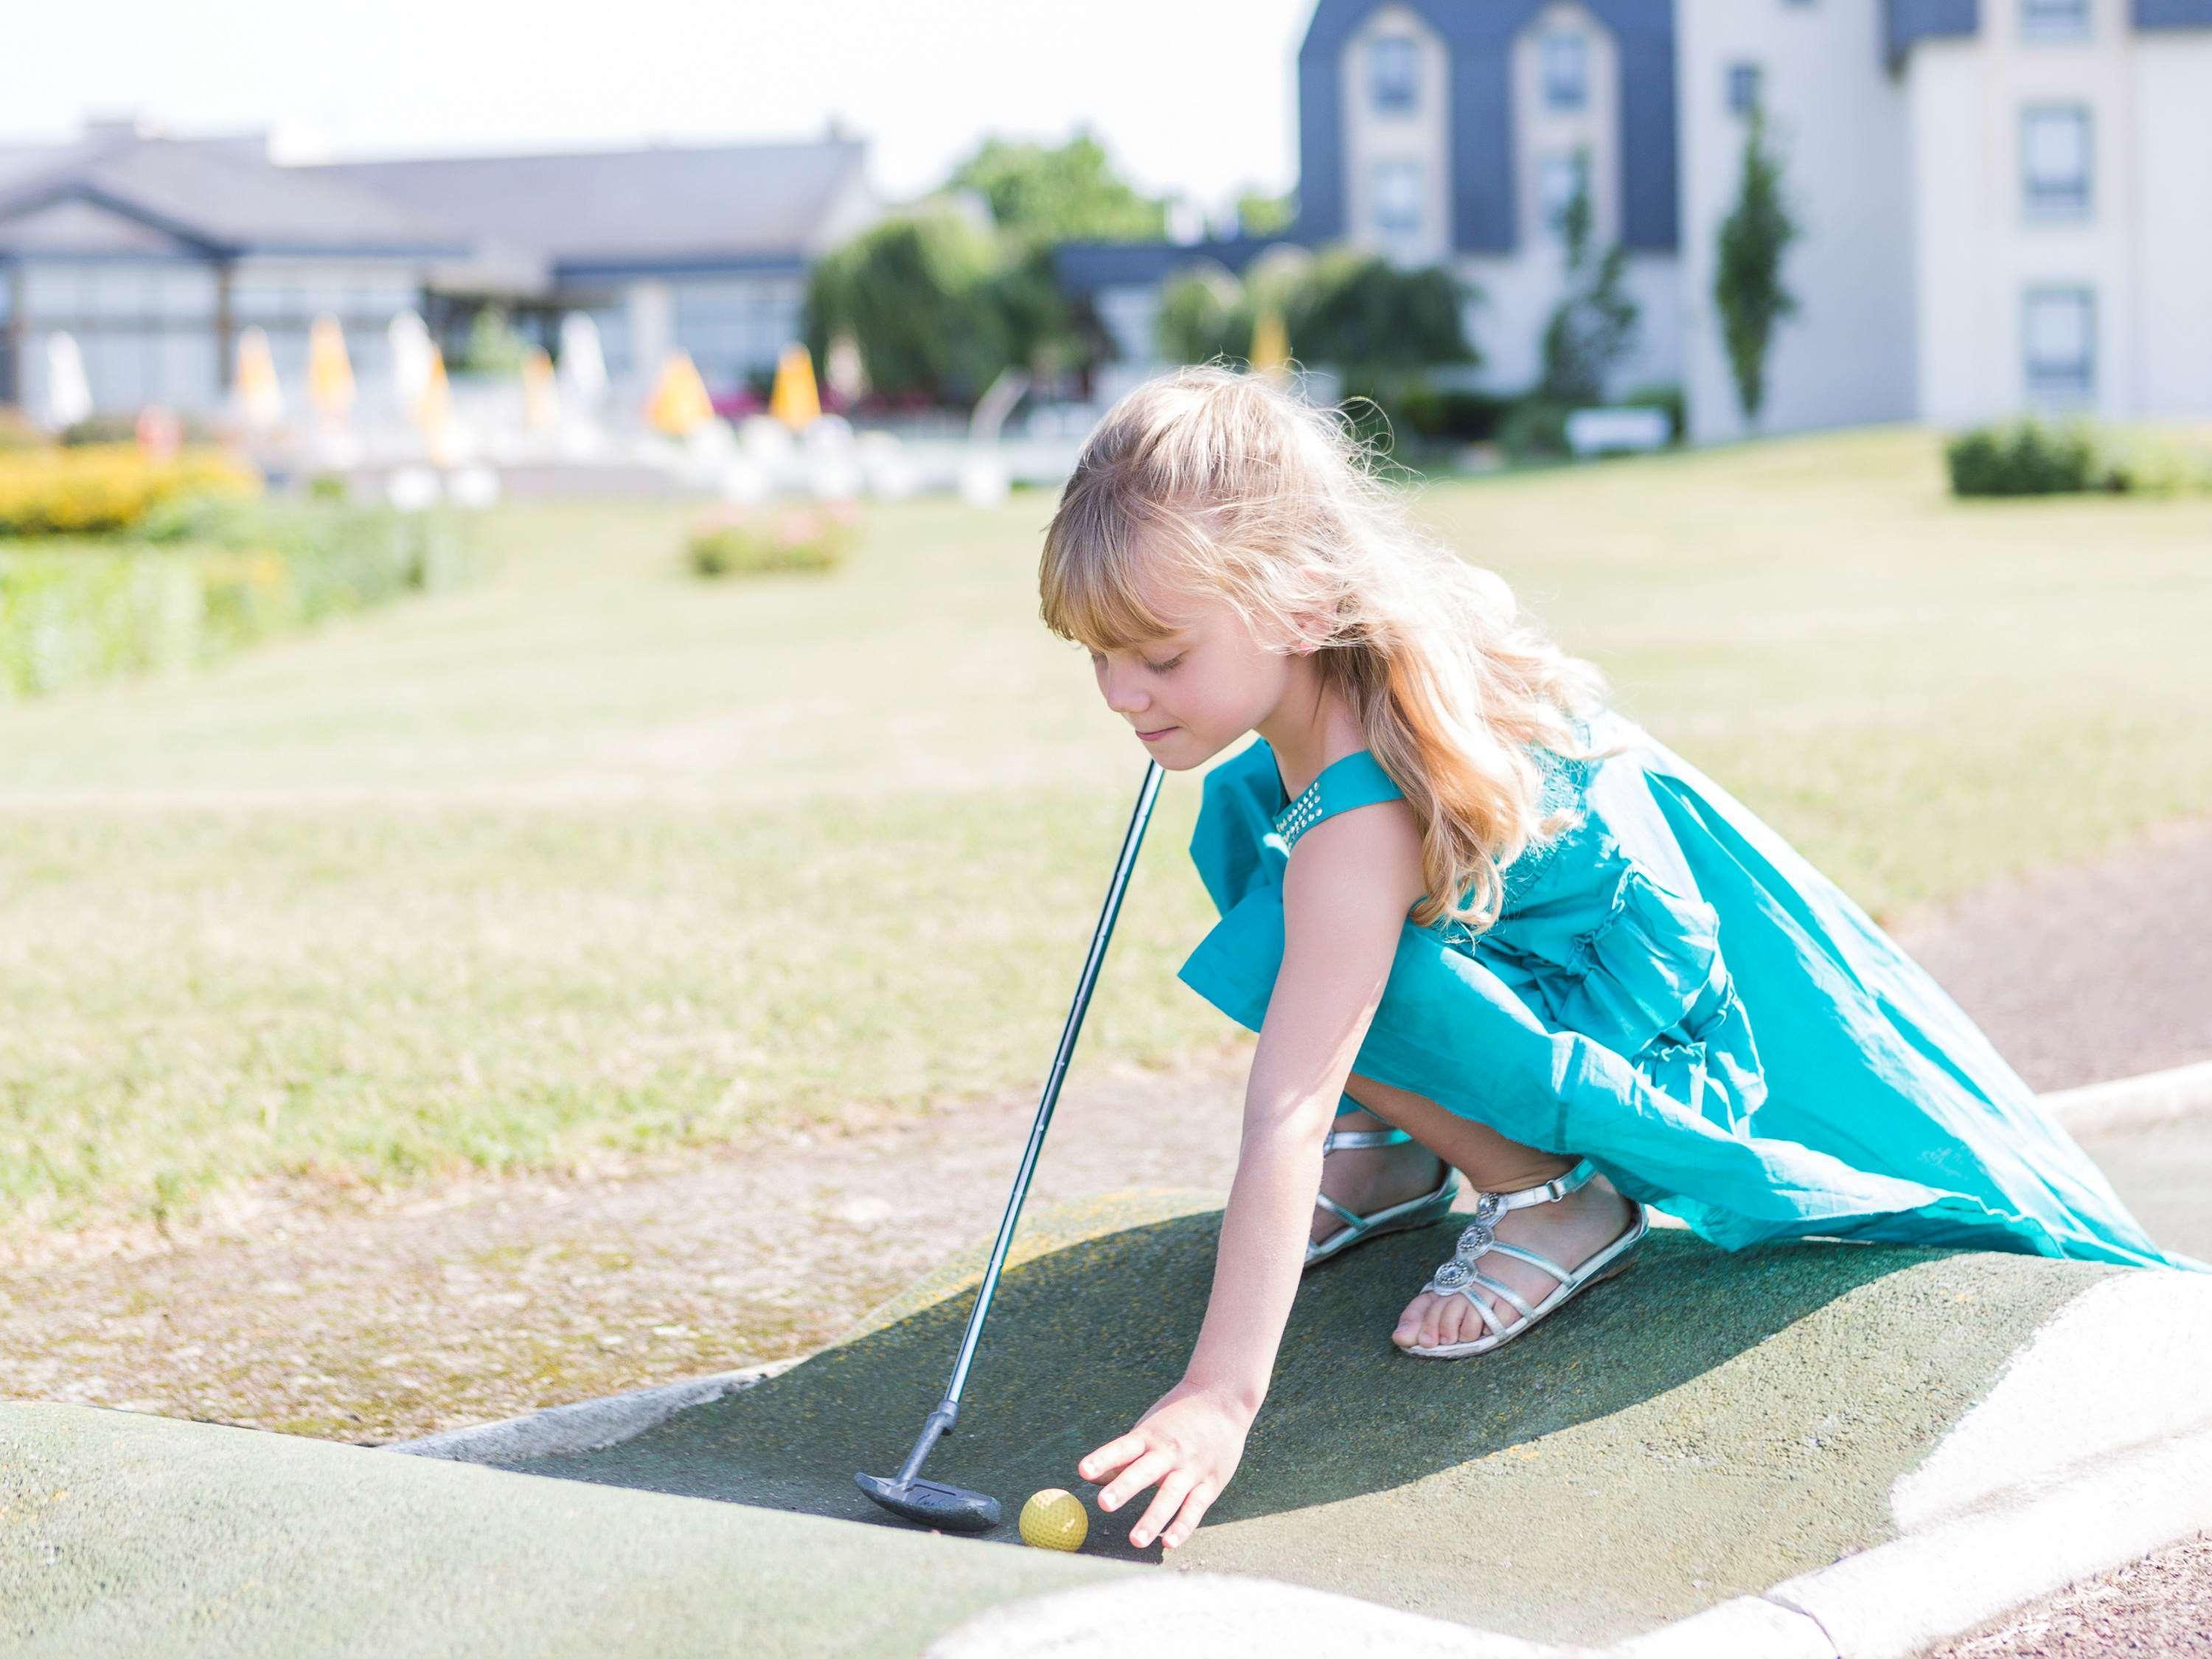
[598, 858]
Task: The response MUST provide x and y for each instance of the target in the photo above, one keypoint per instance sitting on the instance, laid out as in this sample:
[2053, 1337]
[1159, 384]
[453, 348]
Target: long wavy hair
[1216, 481]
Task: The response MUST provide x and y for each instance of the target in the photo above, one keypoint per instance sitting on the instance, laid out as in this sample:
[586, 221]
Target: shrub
[105, 488]
[1535, 428]
[2030, 456]
[116, 426]
[775, 538]
[1452, 413]
[2026, 457]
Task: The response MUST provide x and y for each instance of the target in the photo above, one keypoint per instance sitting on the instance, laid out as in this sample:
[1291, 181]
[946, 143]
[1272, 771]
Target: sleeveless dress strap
[1356, 779]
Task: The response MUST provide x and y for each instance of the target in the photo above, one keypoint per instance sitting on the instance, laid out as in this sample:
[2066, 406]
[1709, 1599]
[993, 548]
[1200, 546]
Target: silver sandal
[1398, 1218]
[1458, 1276]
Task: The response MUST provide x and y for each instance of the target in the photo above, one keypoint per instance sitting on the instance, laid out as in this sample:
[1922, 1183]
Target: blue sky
[1195, 97]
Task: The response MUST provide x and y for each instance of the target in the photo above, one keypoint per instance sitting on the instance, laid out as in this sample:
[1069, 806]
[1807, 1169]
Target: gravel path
[2078, 976]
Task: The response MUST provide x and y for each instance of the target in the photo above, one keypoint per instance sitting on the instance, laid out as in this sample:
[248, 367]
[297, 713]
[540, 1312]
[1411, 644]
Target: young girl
[1633, 992]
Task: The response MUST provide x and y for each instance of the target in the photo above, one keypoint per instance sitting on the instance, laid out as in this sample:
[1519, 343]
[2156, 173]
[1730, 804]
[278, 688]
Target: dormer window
[1391, 73]
[1565, 59]
[2054, 20]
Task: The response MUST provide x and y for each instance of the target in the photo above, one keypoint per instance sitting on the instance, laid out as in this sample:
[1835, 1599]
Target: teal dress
[1674, 992]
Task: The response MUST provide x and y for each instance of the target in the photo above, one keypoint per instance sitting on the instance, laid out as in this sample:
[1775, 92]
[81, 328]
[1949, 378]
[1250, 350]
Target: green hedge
[208, 579]
[2031, 456]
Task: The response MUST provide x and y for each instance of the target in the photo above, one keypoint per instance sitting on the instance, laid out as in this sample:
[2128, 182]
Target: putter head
[932, 1503]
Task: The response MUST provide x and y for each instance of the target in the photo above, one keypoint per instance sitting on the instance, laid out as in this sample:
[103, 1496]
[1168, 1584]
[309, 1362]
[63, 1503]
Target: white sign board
[1593, 431]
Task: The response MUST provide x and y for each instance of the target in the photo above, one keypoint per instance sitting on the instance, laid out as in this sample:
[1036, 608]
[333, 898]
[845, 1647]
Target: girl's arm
[1346, 891]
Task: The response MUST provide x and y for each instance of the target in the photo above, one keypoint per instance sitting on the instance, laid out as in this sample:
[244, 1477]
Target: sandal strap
[1356, 1138]
[1546, 1192]
[1506, 1291]
[1564, 1275]
[1350, 1219]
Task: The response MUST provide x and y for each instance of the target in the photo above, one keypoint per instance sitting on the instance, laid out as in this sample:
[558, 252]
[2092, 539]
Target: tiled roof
[216, 193]
[666, 203]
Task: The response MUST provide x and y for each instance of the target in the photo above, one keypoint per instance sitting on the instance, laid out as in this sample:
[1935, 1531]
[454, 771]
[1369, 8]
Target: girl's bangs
[1092, 594]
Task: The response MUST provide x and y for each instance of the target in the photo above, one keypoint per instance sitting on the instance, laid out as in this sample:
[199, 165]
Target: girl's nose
[1124, 697]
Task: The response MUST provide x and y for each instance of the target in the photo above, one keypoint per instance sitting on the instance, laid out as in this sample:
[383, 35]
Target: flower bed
[205, 578]
[776, 538]
[102, 489]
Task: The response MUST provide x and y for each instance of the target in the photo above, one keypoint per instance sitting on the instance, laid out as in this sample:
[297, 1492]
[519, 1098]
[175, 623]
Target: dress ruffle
[1603, 1016]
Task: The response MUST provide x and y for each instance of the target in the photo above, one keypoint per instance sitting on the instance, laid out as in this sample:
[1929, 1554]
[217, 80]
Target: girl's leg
[1569, 1231]
[1365, 1179]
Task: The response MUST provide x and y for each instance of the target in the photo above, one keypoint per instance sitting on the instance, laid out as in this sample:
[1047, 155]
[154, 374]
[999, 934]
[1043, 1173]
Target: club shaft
[1154, 773]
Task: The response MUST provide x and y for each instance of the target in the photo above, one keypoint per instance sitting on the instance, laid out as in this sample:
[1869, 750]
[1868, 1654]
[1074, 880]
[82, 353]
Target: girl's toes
[1409, 1324]
[1465, 1324]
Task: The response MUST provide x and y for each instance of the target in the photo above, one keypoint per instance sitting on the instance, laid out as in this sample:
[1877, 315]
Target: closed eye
[1096, 660]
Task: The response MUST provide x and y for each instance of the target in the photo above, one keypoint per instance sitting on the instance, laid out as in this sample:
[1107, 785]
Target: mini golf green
[1704, 1426]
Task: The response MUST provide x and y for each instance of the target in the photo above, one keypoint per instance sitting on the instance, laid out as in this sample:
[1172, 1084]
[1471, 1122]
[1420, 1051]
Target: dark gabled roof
[1480, 34]
[1086, 267]
[1904, 21]
[216, 195]
[666, 204]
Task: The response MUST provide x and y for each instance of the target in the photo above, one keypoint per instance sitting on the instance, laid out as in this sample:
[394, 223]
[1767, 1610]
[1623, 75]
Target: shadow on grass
[1081, 1341]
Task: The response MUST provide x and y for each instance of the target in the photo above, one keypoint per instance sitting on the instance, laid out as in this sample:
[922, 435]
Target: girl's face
[1190, 693]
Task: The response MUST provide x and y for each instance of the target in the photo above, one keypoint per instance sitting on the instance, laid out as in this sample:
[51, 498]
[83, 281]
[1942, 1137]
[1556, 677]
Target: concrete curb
[1886, 1603]
[585, 1426]
[2131, 1102]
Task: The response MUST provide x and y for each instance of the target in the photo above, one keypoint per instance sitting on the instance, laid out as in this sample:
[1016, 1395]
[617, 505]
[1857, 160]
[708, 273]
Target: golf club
[932, 1503]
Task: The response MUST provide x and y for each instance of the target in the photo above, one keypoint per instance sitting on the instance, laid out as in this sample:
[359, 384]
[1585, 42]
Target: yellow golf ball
[1054, 1520]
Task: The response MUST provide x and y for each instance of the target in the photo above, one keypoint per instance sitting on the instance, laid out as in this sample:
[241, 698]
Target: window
[1742, 88]
[2054, 20]
[2059, 337]
[1390, 74]
[1558, 175]
[2054, 159]
[1398, 200]
[1565, 59]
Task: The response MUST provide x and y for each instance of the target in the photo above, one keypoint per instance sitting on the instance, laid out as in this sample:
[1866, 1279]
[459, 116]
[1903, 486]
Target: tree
[1378, 326]
[922, 294]
[1069, 193]
[1262, 215]
[1748, 283]
[1594, 324]
[1203, 313]
[494, 347]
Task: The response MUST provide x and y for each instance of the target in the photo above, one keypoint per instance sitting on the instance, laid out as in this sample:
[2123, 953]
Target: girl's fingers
[1110, 1457]
[1164, 1505]
[1193, 1511]
[1135, 1479]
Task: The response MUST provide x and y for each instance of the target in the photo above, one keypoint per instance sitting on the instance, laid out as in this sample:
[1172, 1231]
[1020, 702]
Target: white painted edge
[2130, 1102]
[2057, 1407]
[1226, 1615]
[1742, 1627]
[585, 1426]
[1892, 1601]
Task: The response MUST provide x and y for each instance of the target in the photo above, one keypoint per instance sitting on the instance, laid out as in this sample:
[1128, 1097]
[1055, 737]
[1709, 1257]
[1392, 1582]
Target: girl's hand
[1190, 1441]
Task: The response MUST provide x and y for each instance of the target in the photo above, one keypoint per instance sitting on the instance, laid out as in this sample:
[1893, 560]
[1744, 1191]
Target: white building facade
[2002, 205]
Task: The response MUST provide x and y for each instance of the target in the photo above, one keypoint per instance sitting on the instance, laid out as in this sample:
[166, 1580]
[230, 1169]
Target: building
[156, 251]
[2003, 204]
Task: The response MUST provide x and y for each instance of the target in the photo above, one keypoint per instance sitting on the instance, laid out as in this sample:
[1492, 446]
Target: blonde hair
[1229, 484]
